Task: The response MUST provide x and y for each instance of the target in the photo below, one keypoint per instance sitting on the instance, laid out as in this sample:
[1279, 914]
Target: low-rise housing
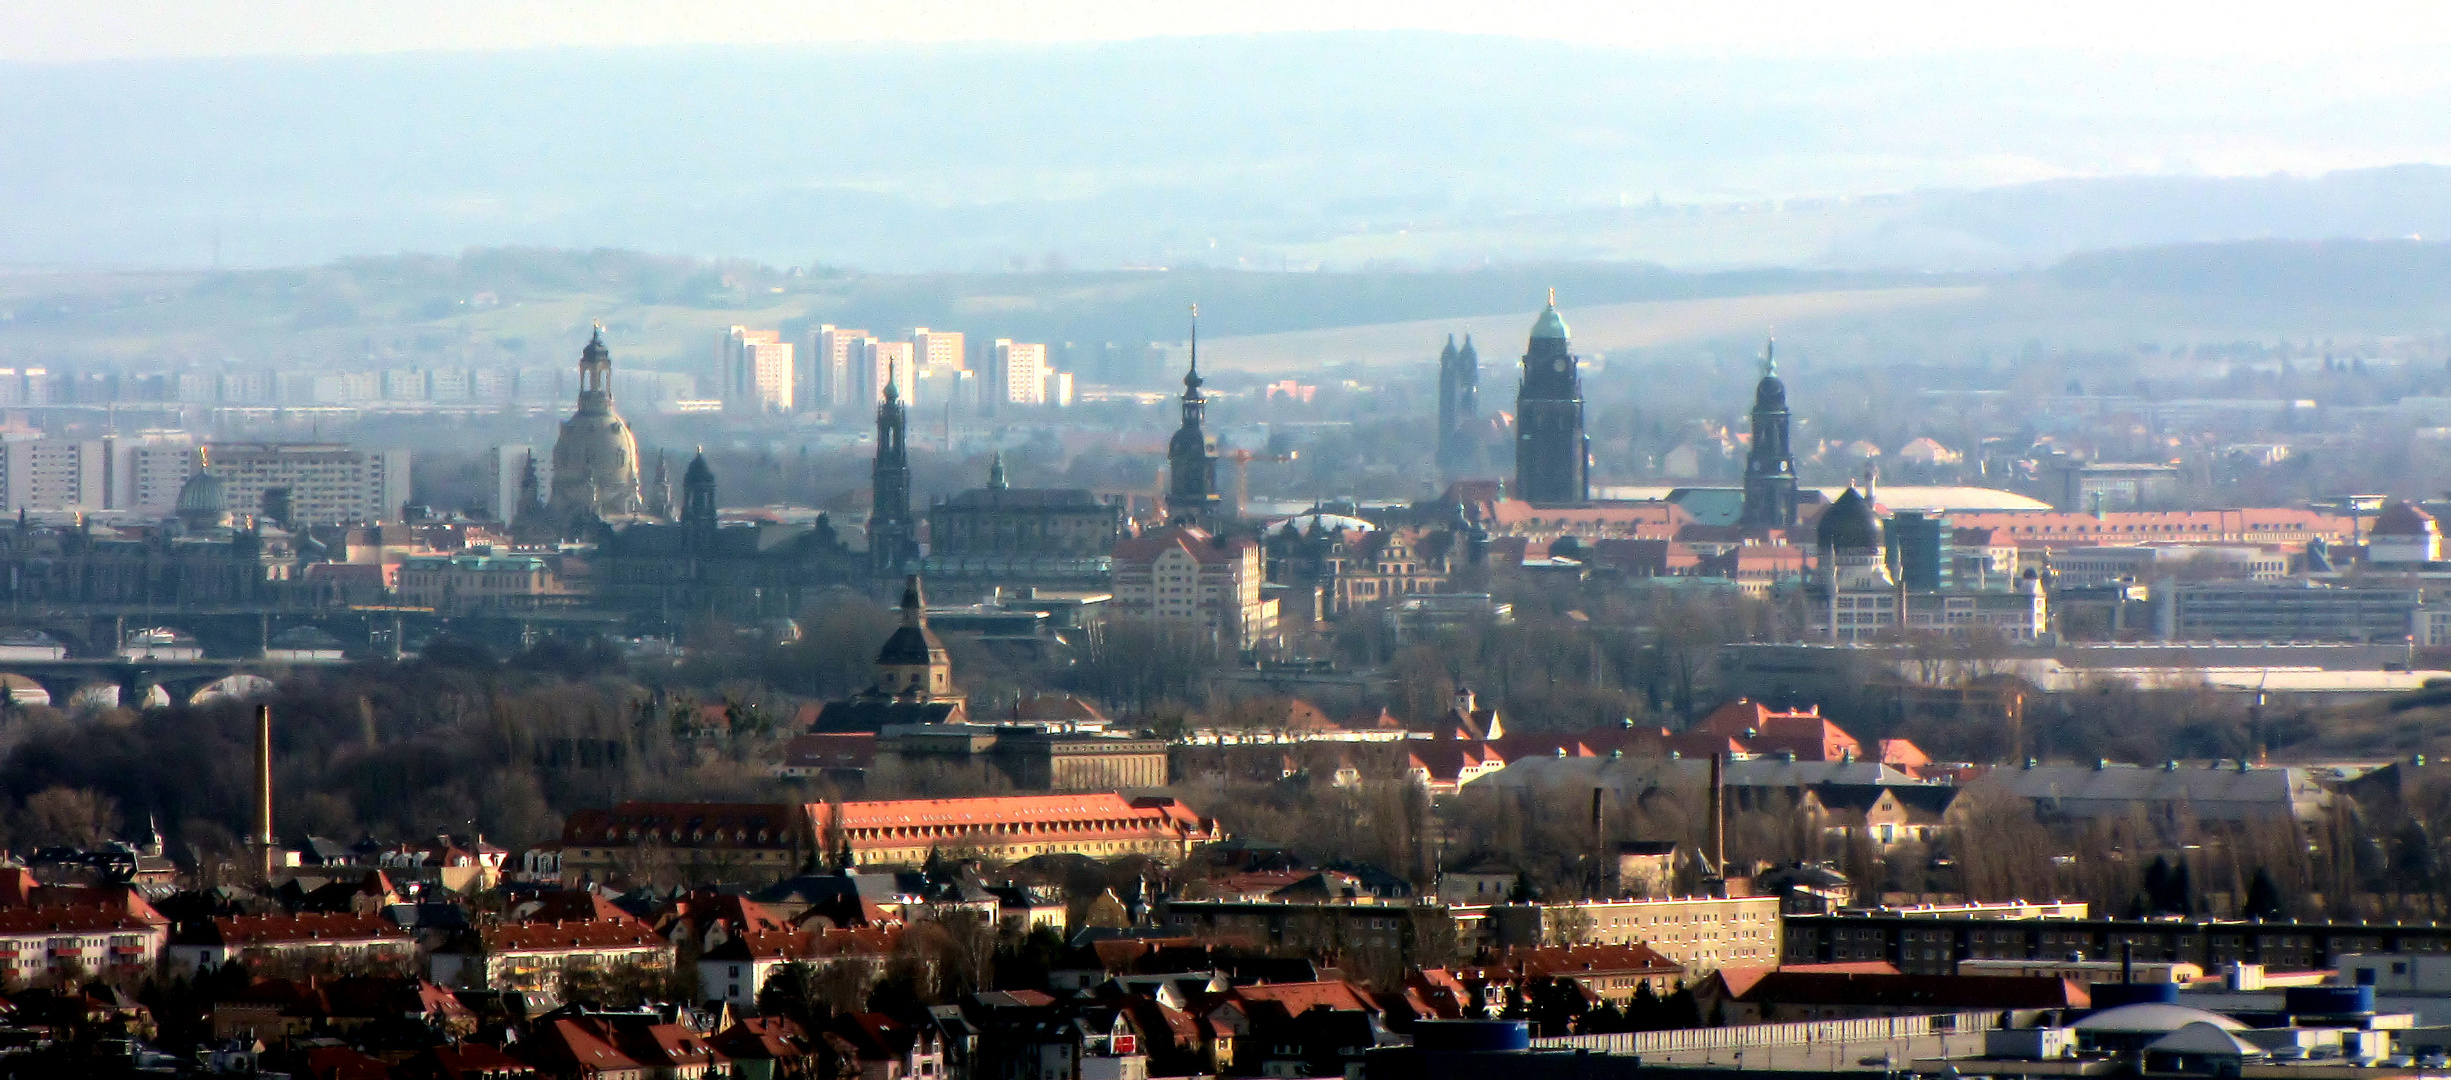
[533, 956]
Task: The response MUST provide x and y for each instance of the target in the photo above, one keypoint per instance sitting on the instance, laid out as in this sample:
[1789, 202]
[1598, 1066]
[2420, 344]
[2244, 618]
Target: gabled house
[571, 1049]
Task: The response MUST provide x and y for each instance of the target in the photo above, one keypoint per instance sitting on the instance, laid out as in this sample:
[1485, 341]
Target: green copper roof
[1549, 325]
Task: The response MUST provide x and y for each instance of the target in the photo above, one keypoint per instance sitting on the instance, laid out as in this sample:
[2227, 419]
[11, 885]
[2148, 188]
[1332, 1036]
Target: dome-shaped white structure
[2152, 1018]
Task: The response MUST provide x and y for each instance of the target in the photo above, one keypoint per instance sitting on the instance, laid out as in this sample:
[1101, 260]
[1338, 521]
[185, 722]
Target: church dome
[1549, 325]
[698, 472]
[1849, 524]
[1770, 393]
[203, 494]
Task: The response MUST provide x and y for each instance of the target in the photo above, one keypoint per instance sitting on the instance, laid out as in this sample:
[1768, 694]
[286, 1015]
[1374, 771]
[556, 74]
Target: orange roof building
[532, 956]
[1010, 828]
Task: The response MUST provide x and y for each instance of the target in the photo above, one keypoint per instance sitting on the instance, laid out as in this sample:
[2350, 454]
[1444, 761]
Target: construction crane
[1242, 460]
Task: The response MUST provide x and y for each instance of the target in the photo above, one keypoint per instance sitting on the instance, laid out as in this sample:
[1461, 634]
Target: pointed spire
[914, 602]
[1770, 356]
[995, 474]
[1191, 379]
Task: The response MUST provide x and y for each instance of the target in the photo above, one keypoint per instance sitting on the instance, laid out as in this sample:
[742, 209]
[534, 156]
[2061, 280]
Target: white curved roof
[1955, 497]
[2152, 1017]
[1330, 522]
[2205, 1038]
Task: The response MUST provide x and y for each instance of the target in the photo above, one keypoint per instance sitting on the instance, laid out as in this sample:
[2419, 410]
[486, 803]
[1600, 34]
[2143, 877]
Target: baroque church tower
[1191, 467]
[1770, 466]
[892, 541]
[698, 518]
[1552, 454]
[595, 458]
[1459, 409]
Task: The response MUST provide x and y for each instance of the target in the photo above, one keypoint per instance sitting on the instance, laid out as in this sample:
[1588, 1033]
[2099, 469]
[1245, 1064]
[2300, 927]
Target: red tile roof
[713, 825]
[567, 936]
[242, 931]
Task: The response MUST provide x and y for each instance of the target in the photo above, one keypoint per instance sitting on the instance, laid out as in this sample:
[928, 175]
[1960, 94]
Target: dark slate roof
[909, 645]
[1850, 524]
[859, 714]
[1026, 499]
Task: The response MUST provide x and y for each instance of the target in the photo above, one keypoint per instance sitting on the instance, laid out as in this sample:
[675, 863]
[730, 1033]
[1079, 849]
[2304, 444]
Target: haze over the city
[983, 136]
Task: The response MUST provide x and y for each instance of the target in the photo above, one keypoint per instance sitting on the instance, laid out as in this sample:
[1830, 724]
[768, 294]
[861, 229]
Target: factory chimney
[262, 837]
[1718, 841]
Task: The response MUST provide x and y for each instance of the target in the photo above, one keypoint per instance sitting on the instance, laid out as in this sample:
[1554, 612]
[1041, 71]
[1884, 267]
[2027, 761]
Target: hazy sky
[43, 30]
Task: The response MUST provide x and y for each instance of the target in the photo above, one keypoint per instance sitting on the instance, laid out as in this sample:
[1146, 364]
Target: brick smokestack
[1719, 816]
[262, 838]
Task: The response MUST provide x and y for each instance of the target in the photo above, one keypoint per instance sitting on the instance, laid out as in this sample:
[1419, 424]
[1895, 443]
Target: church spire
[1191, 486]
[995, 474]
[892, 539]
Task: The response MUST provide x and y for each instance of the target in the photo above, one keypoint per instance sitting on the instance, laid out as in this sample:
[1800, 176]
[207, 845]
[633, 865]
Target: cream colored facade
[1703, 933]
[1181, 575]
[329, 483]
[1020, 373]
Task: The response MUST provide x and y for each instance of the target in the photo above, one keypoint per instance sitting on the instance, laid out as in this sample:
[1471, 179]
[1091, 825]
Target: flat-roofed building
[1700, 933]
[328, 483]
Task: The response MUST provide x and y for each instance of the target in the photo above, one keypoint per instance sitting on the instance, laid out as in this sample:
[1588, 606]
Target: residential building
[328, 483]
[834, 355]
[735, 969]
[1610, 973]
[1018, 373]
[749, 840]
[1182, 574]
[304, 941]
[940, 368]
[506, 468]
[757, 370]
[1344, 925]
[54, 474]
[1699, 933]
[146, 472]
[120, 937]
[881, 363]
[534, 955]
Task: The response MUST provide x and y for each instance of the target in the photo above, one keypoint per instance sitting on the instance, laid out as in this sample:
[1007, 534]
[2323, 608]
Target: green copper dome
[1549, 325]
